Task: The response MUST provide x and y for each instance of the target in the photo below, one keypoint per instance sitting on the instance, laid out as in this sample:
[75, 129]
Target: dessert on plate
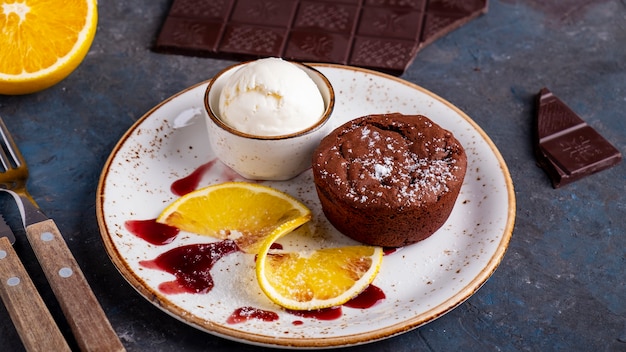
[389, 180]
[265, 117]
[270, 97]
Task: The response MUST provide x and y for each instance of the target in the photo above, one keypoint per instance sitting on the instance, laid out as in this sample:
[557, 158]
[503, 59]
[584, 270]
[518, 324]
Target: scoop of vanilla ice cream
[270, 97]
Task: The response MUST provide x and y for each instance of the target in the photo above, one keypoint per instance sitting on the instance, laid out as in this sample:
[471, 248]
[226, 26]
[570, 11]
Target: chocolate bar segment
[567, 148]
[322, 32]
[384, 35]
[194, 26]
[444, 16]
[388, 35]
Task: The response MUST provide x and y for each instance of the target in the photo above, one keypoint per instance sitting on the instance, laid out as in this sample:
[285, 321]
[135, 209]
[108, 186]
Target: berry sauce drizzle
[331, 313]
[371, 296]
[189, 183]
[161, 234]
[151, 231]
[191, 265]
[243, 314]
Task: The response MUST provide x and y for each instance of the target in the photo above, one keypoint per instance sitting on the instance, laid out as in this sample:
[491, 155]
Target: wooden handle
[29, 314]
[90, 326]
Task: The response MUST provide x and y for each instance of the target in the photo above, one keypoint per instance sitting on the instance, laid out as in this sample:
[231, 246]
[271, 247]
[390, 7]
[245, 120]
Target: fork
[89, 324]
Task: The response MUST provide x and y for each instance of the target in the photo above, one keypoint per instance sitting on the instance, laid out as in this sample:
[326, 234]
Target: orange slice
[255, 217]
[244, 212]
[318, 279]
[42, 42]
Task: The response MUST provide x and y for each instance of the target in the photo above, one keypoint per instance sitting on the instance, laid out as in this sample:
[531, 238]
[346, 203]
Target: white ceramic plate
[421, 282]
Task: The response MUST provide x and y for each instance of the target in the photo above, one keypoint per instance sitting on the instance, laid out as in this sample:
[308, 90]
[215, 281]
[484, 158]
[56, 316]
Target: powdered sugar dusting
[397, 164]
[382, 170]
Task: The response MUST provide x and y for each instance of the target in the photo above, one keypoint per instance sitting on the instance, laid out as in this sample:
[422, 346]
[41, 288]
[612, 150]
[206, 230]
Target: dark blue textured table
[561, 285]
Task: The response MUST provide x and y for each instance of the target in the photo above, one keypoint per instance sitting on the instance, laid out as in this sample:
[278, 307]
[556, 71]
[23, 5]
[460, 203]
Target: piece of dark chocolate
[567, 148]
[383, 35]
[442, 17]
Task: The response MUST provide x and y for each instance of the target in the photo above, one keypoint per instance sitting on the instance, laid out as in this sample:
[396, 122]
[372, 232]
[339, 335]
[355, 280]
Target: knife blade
[5, 230]
[32, 319]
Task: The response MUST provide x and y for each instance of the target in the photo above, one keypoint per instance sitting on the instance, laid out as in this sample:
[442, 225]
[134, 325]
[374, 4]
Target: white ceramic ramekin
[275, 158]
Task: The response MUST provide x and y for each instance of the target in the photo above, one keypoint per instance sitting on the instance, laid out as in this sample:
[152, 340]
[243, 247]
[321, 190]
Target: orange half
[43, 41]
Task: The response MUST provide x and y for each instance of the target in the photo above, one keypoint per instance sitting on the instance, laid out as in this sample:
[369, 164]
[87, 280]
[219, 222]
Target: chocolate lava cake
[389, 180]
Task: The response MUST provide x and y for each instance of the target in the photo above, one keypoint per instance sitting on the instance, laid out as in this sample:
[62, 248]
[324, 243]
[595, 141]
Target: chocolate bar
[384, 35]
[567, 148]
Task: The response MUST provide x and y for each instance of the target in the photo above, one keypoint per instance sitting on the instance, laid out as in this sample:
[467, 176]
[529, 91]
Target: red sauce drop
[191, 265]
[331, 313]
[243, 314]
[390, 250]
[152, 231]
[366, 299]
[276, 246]
[190, 183]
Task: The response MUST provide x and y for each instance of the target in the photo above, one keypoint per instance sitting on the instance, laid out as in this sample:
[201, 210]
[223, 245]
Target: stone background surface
[562, 283]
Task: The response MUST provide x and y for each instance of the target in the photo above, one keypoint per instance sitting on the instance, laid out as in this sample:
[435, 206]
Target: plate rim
[322, 342]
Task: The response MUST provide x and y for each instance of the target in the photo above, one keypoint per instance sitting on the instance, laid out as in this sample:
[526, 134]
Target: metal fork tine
[14, 158]
[4, 158]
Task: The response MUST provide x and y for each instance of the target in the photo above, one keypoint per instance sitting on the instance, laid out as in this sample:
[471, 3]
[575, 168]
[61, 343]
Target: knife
[32, 319]
[83, 312]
